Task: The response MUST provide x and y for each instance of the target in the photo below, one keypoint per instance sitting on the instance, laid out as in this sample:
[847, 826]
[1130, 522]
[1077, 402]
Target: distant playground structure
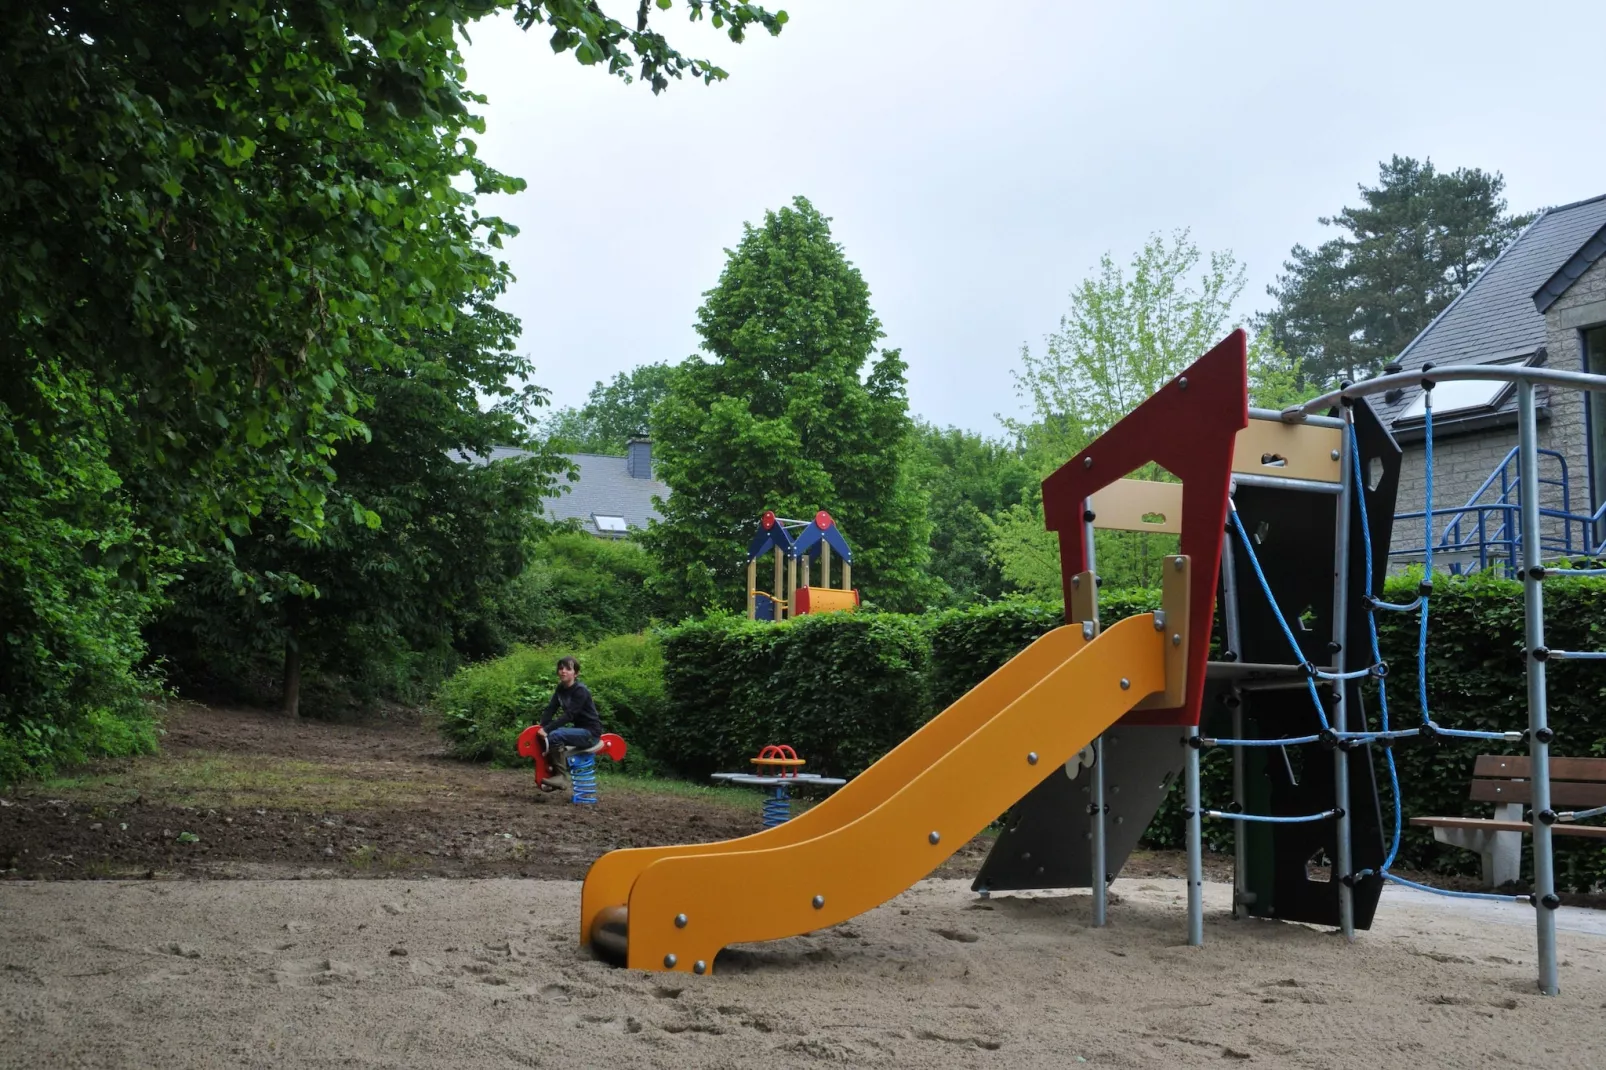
[1284, 520]
[795, 545]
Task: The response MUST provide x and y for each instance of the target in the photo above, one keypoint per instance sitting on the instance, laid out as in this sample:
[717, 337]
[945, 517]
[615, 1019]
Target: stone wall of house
[1461, 463]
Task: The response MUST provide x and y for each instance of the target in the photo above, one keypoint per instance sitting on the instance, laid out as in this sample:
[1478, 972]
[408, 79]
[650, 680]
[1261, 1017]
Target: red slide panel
[1189, 428]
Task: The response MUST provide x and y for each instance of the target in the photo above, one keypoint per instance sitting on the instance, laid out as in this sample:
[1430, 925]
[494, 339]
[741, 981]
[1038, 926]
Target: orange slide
[674, 908]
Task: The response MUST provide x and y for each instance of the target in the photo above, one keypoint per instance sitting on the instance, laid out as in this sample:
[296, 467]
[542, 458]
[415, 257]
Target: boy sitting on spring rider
[569, 725]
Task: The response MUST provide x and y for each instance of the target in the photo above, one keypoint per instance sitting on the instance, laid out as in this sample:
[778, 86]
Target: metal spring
[778, 807]
[583, 774]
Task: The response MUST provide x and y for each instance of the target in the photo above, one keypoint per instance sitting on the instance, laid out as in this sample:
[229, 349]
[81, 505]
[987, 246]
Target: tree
[1418, 239]
[967, 479]
[779, 418]
[417, 545]
[614, 412]
[215, 222]
[1128, 332]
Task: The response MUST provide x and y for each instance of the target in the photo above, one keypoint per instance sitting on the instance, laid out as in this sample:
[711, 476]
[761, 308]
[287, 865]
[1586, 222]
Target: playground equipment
[582, 764]
[793, 543]
[1081, 734]
[787, 774]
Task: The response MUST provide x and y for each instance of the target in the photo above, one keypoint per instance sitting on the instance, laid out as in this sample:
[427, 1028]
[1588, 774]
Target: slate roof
[1497, 317]
[604, 487]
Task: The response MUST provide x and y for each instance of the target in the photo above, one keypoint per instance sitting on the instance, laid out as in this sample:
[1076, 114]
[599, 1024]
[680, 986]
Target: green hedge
[842, 689]
[484, 707]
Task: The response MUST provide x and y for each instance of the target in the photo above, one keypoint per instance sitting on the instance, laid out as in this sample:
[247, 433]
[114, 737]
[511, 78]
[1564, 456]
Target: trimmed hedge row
[842, 689]
[845, 689]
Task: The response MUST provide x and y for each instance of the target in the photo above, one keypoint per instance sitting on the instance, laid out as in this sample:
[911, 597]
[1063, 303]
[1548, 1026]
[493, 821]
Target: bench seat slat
[1520, 765]
[1589, 831]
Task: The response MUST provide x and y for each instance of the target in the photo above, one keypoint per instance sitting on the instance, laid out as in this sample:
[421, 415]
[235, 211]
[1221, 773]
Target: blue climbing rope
[1496, 896]
[1276, 610]
[1305, 818]
[1212, 741]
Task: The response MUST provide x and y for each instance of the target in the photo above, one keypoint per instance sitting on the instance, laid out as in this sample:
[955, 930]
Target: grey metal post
[1538, 717]
[1195, 844]
[1234, 636]
[1344, 863]
[1096, 814]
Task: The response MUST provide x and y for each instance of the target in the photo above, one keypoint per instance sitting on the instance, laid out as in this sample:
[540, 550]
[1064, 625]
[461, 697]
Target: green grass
[216, 781]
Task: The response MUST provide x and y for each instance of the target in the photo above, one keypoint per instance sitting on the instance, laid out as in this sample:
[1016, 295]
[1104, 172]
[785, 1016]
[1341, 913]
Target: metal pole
[1096, 815]
[1344, 864]
[1538, 720]
[1240, 841]
[1195, 843]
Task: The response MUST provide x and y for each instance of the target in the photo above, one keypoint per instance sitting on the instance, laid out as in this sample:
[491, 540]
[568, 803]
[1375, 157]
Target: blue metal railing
[1489, 532]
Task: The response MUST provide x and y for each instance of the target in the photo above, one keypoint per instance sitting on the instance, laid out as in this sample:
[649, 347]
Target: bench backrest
[1574, 782]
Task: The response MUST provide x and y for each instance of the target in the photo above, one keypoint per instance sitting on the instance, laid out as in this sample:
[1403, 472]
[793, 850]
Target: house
[1542, 301]
[610, 496]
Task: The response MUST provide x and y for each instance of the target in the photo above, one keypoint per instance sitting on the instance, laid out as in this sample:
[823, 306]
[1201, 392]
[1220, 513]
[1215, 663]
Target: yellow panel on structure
[610, 878]
[831, 600]
[1139, 505]
[1172, 623]
[766, 894]
[1292, 451]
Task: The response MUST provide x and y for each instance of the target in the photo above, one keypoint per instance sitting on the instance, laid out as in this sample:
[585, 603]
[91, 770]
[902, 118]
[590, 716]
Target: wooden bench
[1575, 784]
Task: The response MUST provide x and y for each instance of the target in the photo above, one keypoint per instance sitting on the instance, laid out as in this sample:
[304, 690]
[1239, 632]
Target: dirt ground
[248, 794]
[444, 974]
[221, 926]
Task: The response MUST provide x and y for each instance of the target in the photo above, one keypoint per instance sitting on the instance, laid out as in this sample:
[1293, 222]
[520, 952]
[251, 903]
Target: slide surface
[895, 822]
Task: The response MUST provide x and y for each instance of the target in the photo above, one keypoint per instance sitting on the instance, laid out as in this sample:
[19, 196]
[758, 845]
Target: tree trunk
[292, 668]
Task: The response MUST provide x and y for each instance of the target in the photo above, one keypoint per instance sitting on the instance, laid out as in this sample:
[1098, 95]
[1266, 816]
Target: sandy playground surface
[486, 973]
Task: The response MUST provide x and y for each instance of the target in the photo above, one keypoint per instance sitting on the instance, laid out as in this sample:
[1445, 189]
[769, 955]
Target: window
[1457, 396]
[1595, 362]
[610, 525]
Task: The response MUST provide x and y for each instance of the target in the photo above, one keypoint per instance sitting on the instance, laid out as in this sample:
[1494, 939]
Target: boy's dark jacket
[572, 705]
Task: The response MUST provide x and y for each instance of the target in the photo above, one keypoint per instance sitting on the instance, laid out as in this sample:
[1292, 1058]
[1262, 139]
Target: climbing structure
[795, 545]
[1283, 520]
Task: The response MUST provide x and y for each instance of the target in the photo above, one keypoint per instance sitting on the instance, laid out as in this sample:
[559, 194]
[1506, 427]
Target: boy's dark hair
[568, 662]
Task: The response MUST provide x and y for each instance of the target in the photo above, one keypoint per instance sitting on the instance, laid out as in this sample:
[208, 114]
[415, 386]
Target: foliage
[780, 418]
[71, 600]
[576, 589]
[967, 479]
[614, 413]
[842, 689]
[734, 685]
[1419, 238]
[1128, 332]
[222, 229]
[421, 542]
[968, 645]
[484, 707]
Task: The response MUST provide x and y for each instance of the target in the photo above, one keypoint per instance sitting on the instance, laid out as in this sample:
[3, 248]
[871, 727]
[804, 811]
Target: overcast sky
[976, 168]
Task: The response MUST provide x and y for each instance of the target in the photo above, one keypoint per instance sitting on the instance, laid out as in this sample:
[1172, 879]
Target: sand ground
[486, 973]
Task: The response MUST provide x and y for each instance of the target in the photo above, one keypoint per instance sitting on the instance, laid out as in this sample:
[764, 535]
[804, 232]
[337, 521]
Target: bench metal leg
[1501, 852]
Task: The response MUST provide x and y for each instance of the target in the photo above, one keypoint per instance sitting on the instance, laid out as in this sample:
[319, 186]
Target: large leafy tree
[1129, 330]
[418, 543]
[968, 479]
[1418, 238]
[219, 222]
[614, 412]
[783, 415]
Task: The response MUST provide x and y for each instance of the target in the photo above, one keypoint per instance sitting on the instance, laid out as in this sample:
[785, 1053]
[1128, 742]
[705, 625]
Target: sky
[977, 159]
